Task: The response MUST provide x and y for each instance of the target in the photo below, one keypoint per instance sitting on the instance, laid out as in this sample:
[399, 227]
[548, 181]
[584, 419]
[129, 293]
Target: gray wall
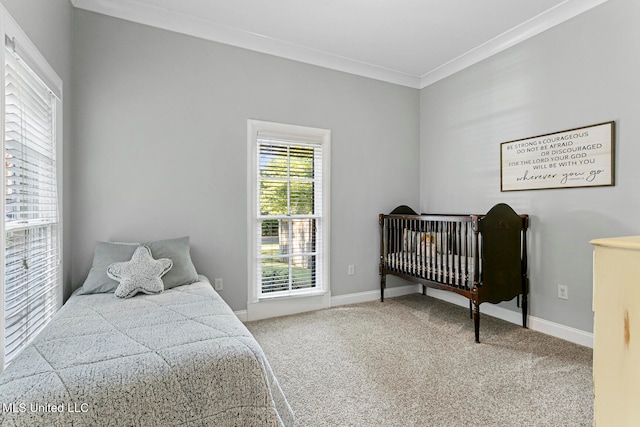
[48, 23]
[157, 146]
[582, 72]
[161, 147]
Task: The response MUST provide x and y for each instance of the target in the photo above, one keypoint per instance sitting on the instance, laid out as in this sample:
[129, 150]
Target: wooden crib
[481, 257]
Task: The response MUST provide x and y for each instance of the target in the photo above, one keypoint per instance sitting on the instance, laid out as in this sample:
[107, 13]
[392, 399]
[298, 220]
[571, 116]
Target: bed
[481, 257]
[179, 357]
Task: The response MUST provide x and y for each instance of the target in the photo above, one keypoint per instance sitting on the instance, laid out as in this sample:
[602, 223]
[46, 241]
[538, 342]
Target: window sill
[294, 294]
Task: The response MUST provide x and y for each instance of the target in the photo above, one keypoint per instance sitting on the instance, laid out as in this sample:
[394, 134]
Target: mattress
[179, 358]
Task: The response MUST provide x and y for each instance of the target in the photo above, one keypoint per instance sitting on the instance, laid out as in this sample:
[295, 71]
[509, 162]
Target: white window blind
[31, 226]
[290, 216]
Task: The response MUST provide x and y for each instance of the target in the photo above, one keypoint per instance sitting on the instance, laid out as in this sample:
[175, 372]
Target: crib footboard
[481, 257]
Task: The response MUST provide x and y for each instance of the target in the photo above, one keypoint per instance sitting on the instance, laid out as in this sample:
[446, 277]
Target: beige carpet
[412, 361]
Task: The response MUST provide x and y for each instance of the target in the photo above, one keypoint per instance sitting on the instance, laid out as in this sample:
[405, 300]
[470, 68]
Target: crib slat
[458, 282]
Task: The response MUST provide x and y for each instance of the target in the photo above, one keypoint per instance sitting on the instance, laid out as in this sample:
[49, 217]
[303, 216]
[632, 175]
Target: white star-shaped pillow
[141, 274]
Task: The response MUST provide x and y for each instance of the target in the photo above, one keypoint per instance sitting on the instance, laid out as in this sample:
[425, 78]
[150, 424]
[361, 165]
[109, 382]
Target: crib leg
[476, 321]
[424, 290]
[470, 309]
[383, 284]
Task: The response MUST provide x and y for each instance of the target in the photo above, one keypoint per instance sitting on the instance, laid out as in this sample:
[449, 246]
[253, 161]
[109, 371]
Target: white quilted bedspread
[180, 358]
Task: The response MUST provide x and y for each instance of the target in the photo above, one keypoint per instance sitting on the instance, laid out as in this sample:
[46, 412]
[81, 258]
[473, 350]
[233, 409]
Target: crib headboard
[503, 253]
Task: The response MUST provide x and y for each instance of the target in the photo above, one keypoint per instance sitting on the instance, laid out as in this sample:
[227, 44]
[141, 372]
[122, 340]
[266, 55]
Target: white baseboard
[242, 315]
[561, 331]
[356, 298]
[272, 307]
[557, 330]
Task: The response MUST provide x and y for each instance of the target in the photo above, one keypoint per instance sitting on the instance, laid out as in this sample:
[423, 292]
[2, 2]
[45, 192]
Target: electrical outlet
[217, 284]
[351, 271]
[563, 292]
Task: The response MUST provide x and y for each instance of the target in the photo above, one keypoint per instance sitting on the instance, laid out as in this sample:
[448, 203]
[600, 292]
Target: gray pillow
[106, 254]
[141, 274]
[183, 271]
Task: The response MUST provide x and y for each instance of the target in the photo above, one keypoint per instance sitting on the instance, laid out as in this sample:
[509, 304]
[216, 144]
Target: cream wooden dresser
[616, 340]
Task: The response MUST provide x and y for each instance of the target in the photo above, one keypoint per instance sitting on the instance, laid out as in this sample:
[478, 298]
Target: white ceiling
[408, 42]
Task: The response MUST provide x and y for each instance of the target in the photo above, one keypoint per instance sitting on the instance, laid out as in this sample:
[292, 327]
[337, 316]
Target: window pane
[303, 272]
[275, 275]
[301, 198]
[287, 237]
[303, 233]
[273, 160]
[29, 148]
[301, 162]
[274, 238]
[31, 280]
[273, 197]
[269, 237]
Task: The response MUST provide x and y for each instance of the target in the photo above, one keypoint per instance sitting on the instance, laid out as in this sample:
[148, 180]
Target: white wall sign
[581, 157]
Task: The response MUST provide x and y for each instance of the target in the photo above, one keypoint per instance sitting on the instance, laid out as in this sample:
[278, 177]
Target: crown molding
[536, 25]
[132, 10]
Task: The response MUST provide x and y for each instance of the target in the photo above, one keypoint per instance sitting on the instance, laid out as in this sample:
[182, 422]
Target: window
[31, 229]
[289, 220]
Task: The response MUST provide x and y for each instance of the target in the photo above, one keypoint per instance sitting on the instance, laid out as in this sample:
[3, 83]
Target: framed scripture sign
[581, 157]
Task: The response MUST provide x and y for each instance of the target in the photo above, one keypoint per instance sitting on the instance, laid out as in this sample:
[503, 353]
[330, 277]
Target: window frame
[29, 54]
[268, 306]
